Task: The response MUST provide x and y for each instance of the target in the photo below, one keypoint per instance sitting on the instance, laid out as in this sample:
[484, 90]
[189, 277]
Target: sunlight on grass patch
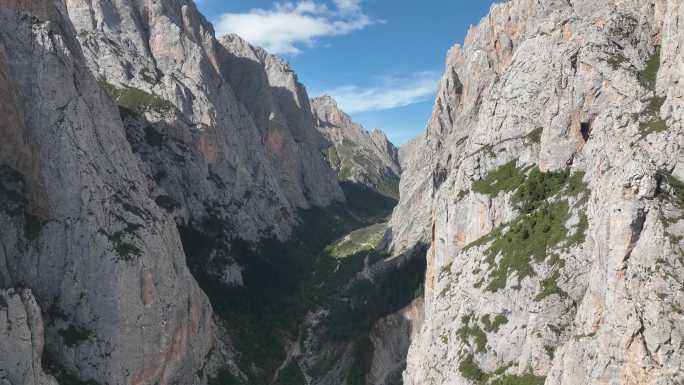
[365, 239]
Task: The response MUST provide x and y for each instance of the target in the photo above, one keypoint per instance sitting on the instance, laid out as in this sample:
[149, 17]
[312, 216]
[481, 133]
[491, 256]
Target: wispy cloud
[389, 93]
[288, 26]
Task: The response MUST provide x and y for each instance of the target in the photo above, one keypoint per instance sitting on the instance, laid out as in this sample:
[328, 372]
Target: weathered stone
[568, 88]
[78, 225]
[21, 333]
[224, 129]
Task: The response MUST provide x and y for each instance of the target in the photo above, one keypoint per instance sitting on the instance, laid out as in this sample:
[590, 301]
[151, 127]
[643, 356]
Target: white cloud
[287, 26]
[348, 6]
[390, 93]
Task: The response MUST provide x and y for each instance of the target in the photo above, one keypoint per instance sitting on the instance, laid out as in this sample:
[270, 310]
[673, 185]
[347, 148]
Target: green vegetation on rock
[540, 226]
[537, 188]
[506, 178]
[471, 371]
[493, 325]
[677, 308]
[676, 193]
[671, 190]
[529, 236]
[136, 101]
[549, 287]
[652, 123]
[526, 379]
[472, 331]
[365, 239]
[535, 135]
[649, 75]
[617, 60]
[550, 351]
[580, 233]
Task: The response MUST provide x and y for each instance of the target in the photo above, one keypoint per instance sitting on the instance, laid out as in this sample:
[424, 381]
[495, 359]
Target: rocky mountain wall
[359, 156]
[548, 184]
[135, 143]
[79, 226]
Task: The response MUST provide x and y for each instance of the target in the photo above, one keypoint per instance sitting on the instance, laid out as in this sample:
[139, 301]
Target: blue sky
[381, 59]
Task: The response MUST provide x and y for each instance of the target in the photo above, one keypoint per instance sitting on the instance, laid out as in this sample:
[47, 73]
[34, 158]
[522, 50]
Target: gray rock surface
[391, 337]
[359, 156]
[572, 275]
[78, 225]
[21, 330]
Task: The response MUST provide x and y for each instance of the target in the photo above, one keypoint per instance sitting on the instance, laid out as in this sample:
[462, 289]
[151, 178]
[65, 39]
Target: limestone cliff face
[548, 184]
[79, 226]
[358, 156]
[224, 129]
[21, 330]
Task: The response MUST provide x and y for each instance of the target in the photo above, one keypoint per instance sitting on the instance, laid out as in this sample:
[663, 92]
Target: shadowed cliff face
[548, 185]
[358, 156]
[228, 130]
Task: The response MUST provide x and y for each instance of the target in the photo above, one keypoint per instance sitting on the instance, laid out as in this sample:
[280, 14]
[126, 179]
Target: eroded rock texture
[549, 185]
[359, 156]
[79, 227]
[21, 330]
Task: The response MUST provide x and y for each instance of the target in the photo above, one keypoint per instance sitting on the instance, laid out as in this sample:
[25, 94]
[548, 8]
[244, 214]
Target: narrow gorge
[176, 209]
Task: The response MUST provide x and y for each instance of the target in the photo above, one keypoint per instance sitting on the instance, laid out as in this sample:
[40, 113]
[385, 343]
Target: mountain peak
[359, 156]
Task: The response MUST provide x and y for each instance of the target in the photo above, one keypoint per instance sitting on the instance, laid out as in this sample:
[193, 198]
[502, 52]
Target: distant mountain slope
[358, 156]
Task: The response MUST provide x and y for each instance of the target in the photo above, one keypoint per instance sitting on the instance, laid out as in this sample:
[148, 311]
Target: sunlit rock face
[549, 186]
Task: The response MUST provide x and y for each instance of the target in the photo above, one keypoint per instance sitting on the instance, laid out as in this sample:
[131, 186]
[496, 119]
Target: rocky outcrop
[21, 330]
[548, 184]
[358, 156]
[79, 227]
